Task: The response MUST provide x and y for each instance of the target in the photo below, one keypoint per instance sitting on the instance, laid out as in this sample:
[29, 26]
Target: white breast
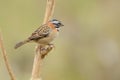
[48, 39]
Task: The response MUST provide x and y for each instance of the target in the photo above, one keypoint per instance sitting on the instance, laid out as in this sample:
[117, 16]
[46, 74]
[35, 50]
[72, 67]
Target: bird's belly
[48, 39]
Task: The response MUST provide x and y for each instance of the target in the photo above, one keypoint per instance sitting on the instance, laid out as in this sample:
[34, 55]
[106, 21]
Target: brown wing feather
[41, 32]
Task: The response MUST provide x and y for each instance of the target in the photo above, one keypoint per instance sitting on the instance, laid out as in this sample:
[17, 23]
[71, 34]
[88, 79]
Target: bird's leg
[44, 50]
[47, 49]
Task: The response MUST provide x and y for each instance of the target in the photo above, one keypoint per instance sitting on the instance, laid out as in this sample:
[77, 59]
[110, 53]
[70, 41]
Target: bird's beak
[62, 25]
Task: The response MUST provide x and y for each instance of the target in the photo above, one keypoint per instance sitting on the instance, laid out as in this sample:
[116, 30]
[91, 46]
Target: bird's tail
[21, 43]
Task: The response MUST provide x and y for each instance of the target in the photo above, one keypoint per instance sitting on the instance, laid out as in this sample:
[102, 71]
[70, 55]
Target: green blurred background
[88, 47]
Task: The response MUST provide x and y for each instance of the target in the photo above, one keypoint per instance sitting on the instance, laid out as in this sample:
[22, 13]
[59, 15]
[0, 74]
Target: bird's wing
[41, 32]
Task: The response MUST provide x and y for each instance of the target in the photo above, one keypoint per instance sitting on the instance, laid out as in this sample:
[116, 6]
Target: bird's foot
[44, 50]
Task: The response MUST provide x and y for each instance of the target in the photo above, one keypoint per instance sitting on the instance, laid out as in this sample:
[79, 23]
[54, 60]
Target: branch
[42, 51]
[49, 10]
[6, 59]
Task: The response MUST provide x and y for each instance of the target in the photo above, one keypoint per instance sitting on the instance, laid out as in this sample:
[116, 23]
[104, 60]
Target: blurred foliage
[88, 47]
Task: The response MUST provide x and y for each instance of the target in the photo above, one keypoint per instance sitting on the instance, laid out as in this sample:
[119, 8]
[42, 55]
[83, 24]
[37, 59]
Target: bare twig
[49, 10]
[6, 59]
[36, 67]
[40, 53]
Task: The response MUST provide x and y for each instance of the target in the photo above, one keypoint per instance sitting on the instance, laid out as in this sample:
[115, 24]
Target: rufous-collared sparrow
[44, 35]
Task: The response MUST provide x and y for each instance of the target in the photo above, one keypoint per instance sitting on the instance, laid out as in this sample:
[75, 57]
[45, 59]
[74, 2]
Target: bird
[44, 35]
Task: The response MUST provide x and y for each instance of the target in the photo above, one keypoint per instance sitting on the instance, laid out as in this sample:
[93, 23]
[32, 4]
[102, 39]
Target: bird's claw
[44, 50]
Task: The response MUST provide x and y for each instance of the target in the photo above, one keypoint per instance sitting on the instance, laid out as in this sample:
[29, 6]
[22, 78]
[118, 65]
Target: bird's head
[57, 23]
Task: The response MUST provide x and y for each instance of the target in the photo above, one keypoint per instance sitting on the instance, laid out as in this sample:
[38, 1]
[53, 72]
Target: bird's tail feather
[21, 43]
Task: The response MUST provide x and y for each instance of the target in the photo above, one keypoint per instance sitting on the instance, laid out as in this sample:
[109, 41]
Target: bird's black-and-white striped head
[57, 23]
